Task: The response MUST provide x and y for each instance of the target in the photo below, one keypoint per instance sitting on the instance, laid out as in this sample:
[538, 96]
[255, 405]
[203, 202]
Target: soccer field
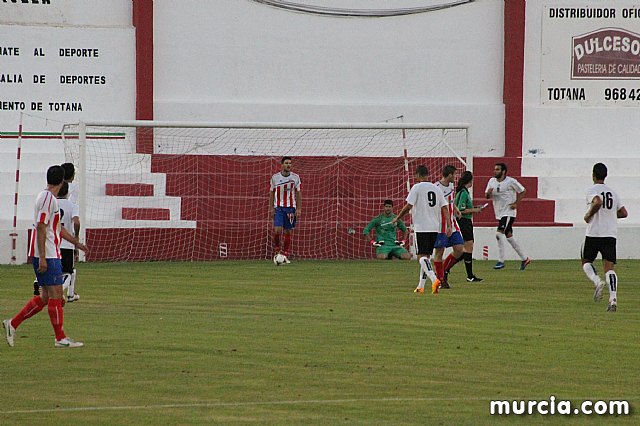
[319, 342]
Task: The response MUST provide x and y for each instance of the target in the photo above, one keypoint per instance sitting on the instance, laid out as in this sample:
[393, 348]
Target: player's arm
[405, 233]
[298, 203]
[447, 219]
[596, 204]
[622, 213]
[402, 212]
[367, 232]
[488, 192]
[519, 197]
[271, 198]
[41, 238]
[73, 240]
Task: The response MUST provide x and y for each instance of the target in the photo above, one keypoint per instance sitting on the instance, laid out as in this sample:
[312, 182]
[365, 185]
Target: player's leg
[55, 306]
[67, 273]
[288, 225]
[466, 227]
[588, 254]
[508, 232]
[383, 252]
[608, 250]
[441, 243]
[278, 223]
[425, 242]
[501, 239]
[457, 244]
[32, 307]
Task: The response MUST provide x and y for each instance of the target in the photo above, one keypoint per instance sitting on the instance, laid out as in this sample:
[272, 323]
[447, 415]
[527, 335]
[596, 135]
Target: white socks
[426, 271]
[590, 270]
[72, 284]
[612, 281]
[516, 247]
[500, 237]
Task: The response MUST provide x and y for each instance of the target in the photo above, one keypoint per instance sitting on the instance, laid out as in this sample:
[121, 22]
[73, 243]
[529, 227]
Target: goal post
[154, 190]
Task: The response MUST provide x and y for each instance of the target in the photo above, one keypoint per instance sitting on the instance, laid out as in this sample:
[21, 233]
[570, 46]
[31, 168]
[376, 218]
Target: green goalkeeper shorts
[391, 250]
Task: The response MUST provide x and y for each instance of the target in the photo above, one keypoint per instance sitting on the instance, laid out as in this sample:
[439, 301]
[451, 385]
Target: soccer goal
[154, 190]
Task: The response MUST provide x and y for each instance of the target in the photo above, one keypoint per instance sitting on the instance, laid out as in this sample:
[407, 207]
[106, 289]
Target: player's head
[449, 173]
[69, 171]
[55, 175]
[465, 179]
[599, 172]
[64, 190]
[499, 170]
[388, 207]
[286, 164]
[422, 173]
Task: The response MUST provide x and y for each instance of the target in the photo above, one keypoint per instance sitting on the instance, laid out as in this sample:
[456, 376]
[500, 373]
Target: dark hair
[503, 166]
[422, 170]
[64, 190]
[387, 202]
[464, 180]
[599, 171]
[69, 171]
[285, 159]
[55, 175]
[448, 169]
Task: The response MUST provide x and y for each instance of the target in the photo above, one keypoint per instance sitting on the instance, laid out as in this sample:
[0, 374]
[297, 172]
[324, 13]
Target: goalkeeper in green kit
[386, 242]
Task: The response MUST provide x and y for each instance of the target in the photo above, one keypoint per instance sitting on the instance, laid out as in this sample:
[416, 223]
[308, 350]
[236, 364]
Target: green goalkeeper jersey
[385, 230]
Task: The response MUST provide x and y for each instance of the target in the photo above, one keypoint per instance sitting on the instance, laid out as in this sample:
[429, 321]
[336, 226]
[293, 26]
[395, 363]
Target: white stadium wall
[245, 61]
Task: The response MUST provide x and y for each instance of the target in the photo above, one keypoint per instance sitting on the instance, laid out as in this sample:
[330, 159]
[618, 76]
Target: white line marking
[233, 404]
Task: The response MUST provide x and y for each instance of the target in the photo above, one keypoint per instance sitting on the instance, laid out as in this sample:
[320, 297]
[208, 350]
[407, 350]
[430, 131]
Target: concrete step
[134, 213]
[129, 189]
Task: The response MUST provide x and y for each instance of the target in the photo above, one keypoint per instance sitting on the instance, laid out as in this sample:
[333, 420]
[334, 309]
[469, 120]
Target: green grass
[318, 342]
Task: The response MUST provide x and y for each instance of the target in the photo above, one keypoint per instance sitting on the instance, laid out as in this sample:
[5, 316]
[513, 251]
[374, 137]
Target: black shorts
[425, 242]
[505, 224]
[604, 245]
[68, 257]
[466, 228]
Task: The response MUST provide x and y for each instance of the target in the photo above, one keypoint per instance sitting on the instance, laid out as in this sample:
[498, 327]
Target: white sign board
[591, 55]
[63, 73]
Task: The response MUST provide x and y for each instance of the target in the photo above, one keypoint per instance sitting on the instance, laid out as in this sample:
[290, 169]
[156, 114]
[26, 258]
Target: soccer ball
[279, 259]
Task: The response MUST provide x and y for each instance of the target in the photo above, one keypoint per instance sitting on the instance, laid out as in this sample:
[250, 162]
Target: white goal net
[181, 191]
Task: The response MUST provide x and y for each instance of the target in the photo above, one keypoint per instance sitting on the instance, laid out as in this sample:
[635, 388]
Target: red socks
[32, 307]
[276, 242]
[56, 315]
[450, 261]
[287, 244]
[439, 267]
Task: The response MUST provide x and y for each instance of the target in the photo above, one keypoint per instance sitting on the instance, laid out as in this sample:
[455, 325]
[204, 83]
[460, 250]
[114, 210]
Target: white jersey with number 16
[605, 222]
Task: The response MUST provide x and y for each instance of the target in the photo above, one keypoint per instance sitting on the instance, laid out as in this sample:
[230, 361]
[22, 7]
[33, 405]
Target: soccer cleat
[418, 290]
[499, 265]
[597, 293]
[9, 332]
[612, 307]
[435, 286]
[73, 298]
[444, 282]
[286, 260]
[525, 263]
[474, 279]
[36, 288]
[68, 343]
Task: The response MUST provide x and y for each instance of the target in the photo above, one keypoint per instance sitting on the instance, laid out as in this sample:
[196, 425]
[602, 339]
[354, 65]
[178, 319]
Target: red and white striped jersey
[47, 212]
[283, 188]
[450, 195]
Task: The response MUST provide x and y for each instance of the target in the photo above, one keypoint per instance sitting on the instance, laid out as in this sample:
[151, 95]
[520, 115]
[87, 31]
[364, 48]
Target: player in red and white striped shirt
[44, 247]
[284, 204]
[455, 240]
